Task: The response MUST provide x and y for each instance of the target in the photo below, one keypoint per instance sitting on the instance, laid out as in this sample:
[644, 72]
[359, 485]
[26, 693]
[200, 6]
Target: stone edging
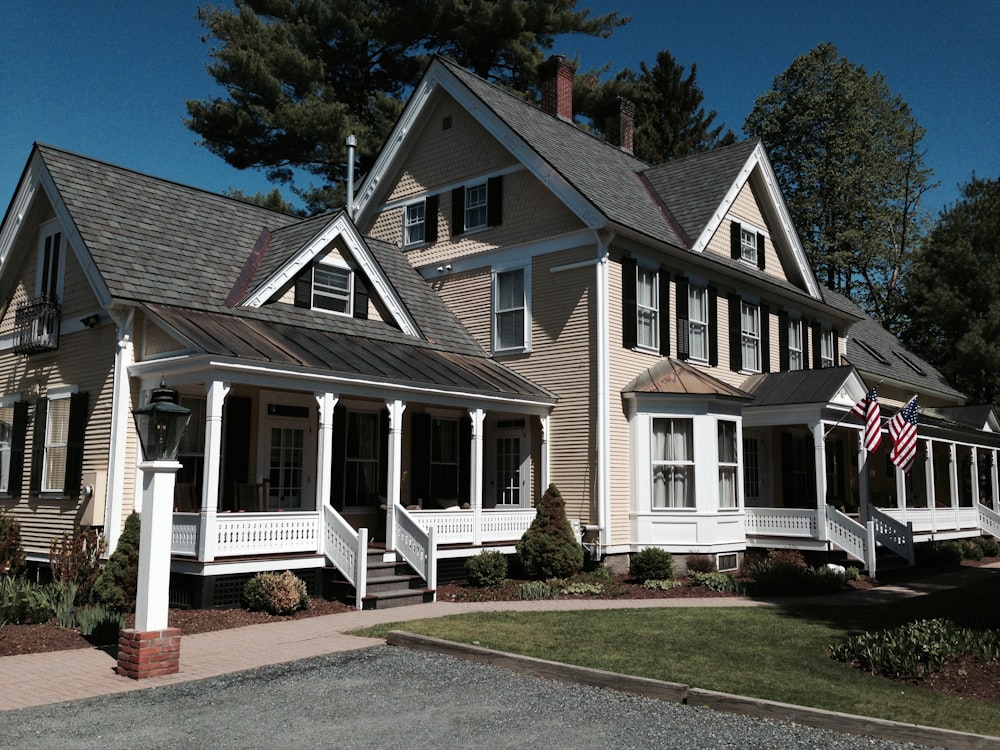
[680, 693]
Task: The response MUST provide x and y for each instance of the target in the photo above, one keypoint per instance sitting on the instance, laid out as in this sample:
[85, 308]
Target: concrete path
[40, 679]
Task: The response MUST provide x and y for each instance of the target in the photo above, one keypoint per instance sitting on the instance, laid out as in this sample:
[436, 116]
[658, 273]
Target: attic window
[334, 288]
[912, 365]
[868, 348]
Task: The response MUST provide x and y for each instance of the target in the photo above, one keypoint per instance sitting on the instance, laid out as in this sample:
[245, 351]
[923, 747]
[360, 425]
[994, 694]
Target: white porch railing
[347, 549]
[265, 533]
[458, 526]
[184, 534]
[856, 540]
[894, 534]
[415, 544]
[794, 522]
[936, 520]
[989, 520]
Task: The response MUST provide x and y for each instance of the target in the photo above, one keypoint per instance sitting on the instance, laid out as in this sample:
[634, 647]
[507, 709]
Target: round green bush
[989, 546]
[277, 593]
[487, 570]
[651, 563]
[971, 550]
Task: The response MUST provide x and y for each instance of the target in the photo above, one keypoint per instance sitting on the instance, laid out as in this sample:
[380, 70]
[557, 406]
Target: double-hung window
[475, 206]
[56, 444]
[415, 224]
[796, 348]
[6, 445]
[750, 336]
[332, 288]
[647, 306]
[826, 353]
[509, 310]
[728, 462]
[673, 462]
[748, 245]
[698, 323]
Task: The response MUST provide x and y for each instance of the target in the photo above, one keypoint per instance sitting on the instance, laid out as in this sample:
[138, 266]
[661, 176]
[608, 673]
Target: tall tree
[300, 75]
[670, 119]
[847, 154]
[953, 294]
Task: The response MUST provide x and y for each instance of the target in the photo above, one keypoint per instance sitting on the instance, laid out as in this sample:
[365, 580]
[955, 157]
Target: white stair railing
[347, 549]
[856, 540]
[893, 534]
[416, 545]
[989, 520]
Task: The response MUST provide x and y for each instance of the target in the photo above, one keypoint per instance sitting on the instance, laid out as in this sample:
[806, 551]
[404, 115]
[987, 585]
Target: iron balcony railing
[36, 326]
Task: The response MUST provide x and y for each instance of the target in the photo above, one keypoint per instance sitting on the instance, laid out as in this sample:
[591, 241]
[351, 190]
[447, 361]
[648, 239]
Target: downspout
[352, 142]
[603, 375]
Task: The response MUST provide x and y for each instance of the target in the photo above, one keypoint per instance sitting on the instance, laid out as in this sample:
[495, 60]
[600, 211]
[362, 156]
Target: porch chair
[251, 496]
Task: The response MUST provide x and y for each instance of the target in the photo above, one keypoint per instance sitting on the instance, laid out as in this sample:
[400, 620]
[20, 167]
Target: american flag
[903, 428]
[867, 409]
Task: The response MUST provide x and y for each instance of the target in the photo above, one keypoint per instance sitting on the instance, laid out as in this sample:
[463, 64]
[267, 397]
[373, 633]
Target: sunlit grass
[775, 654]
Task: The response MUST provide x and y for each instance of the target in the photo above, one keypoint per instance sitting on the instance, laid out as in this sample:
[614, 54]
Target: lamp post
[151, 648]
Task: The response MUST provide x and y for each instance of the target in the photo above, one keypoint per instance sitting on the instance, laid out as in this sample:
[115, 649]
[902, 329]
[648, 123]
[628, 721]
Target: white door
[288, 456]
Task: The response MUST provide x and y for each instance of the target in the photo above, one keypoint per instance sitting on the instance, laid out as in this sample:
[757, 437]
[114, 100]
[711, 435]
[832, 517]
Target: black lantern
[161, 424]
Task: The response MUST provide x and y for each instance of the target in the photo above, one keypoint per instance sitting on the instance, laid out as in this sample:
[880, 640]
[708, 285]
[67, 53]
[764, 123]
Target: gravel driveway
[385, 697]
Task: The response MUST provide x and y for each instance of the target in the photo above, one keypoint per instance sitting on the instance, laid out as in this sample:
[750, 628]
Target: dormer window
[747, 245]
[331, 288]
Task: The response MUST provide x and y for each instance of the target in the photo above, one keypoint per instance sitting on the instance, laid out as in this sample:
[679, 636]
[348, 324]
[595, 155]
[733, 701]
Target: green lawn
[775, 654]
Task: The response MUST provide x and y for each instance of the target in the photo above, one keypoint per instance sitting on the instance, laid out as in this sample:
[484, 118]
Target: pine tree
[549, 549]
[116, 586]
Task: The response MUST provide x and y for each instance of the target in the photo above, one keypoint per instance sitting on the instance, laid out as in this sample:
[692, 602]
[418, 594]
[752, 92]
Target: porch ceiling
[278, 343]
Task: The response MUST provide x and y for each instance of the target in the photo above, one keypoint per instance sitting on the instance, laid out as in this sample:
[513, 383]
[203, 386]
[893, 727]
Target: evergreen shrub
[651, 563]
[989, 545]
[115, 587]
[549, 548]
[487, 569]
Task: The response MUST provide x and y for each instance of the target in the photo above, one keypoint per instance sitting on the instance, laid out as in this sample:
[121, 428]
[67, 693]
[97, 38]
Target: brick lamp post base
[149, 653]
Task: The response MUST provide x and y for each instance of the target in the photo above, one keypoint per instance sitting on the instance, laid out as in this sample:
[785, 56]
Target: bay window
[673, 466]
[728, 462]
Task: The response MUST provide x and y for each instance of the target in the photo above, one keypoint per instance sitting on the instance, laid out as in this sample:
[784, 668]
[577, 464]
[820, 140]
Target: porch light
[161, 424]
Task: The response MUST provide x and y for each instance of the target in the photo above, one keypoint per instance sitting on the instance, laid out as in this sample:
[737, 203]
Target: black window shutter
[360, 296]
[75, 432]
[782, 340]
[431, 218]
[457, 211]
[817, 346]
[629, 325]
[760, 251]
[713, 327]
[663, 314]
[765, 339]
[339, 453]
[465, 460]
[805, 345]
[420, 457]
[494, 201]
[683, 312]
[836, 350]
[38, 447]
[383, 456]
[304, 288]
[19, 431]
[735, 334]
[735, 250]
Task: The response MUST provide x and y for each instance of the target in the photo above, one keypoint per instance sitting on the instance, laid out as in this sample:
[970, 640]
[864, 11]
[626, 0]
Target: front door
[508, 474]
[289, 454]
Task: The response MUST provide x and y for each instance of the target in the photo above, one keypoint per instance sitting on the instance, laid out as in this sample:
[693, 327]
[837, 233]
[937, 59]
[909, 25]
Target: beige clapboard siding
[747, 209]
[467, 295]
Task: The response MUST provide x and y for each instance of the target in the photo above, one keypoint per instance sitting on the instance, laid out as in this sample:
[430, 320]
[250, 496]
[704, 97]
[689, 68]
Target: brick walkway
[39, 679]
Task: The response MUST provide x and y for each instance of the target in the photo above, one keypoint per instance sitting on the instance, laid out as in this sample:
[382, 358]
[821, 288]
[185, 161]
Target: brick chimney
[556, 78]
[621, 125]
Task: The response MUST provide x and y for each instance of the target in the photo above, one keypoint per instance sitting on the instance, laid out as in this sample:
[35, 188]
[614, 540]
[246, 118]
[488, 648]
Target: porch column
[994, 482]
[120, 421]
[325, 403]
[819, 444]
[952, 485]
[395, 461]
[207, 535]
[476, 471]
[544, 423]
[864, 486]
[929, 475]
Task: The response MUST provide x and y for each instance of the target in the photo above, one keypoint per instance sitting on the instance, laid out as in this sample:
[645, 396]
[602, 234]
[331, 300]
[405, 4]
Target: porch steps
[392, 584]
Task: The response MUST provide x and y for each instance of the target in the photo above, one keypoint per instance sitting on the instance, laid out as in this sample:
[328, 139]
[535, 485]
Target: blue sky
[108, 78]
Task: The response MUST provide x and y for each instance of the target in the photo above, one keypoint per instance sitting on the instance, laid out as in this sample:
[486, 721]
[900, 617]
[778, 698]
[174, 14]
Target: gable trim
[341, 227]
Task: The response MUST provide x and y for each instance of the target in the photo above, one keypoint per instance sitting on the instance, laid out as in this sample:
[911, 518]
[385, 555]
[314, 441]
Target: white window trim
[748, 336]
[698, 307]
[484, 206]
[653, 309]
[734, 465]
[828, 341]
[526, 289]
[62, 393]
[407, 242]
[7, 402]
[690, 463]
[338, 264]
[795, 331]
[750, 257]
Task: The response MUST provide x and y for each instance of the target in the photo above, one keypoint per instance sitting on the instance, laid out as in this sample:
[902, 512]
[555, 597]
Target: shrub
[665, 584]
[23, 602]
[784, 572]
[11, 549]
[989, 545]
[277, 593]
[115, 587]
[77, 558]
[582, 588]
[939, 554]
[487, 569]
[549, 549]
[701, 564]
[651, 563]
[971, 550]
[713, 581]
[537, 590]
